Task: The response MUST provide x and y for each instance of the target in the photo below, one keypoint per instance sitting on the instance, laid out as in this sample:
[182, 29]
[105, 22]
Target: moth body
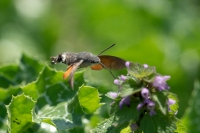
[70, 58]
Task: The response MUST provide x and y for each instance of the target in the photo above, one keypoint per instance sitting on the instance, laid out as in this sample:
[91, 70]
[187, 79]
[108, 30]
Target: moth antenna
[106, 49]
[108, 70]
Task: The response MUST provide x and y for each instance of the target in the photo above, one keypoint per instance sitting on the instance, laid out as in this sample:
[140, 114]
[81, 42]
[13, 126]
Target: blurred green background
[161, 33]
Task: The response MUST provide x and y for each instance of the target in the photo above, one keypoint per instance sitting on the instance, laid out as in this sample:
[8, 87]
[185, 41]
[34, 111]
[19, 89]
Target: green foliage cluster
[36, 94]
[43, 96]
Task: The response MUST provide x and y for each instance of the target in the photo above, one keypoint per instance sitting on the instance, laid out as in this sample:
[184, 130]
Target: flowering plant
[143, 103]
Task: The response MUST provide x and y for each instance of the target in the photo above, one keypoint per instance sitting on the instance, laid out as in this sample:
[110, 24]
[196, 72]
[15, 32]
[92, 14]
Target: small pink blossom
[160, 83]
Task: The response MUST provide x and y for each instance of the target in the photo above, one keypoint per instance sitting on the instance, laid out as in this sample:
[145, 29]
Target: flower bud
[145, 93]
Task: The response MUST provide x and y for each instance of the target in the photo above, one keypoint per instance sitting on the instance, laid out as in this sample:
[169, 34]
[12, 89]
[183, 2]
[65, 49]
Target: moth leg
[70, 72]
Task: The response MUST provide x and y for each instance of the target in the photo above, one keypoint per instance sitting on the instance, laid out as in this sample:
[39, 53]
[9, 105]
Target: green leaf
[25, 72]
[174, 107]
[5, 83]
[5, 98]
[9, 71]
[115, 105]
[150, 79]
[5, 93]
[3, 116]
[63, 116]
[191, 117]
[46, 78]
[158, 123]
[180, 127]
[104, 126]
[20, 113]
[124, 116]
[127, 89]
[132, 81]
[74, 106]
[94, 120]
[139, 71]
[126, 92]
[8, 74]
[29, 69]
[89, 99]
[126, 130]
[161, 99]
[52, 87]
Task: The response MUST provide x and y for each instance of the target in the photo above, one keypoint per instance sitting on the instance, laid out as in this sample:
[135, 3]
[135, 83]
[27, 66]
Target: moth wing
[97, 67]
[69, 69]
[70, 72]
[111, 62]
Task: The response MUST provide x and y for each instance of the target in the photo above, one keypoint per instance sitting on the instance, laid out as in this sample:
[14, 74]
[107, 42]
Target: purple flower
[134, 126]
[145, 93]
[123, 78]
[113, 95]
[146, 101]
[170, 102]
[145, 66]
[150, 105]
[152, 112]
[127, 64]
[117, 82]
[160, 83]
[140, 105]
[125, 100]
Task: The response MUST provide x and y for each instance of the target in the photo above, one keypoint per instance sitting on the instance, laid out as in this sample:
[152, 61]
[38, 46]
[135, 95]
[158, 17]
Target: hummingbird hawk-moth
[85, 59]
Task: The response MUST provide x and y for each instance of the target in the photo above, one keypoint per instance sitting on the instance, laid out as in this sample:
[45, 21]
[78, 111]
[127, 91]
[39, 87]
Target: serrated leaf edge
[14, 97]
